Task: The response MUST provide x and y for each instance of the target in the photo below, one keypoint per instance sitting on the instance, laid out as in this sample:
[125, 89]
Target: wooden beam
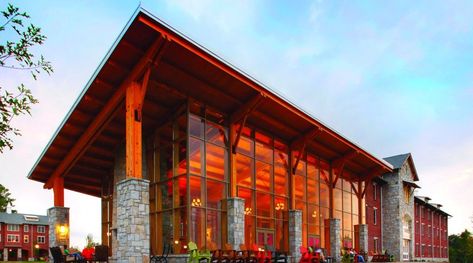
[247, 108]
[302, 142]
[58, 189]
[306, 137]
[238, 135]
[299, 156]
[133, 132]
[103, 117]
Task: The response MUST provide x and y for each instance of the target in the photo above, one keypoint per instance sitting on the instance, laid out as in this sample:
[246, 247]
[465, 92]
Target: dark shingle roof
[19, 219]
[397, 160]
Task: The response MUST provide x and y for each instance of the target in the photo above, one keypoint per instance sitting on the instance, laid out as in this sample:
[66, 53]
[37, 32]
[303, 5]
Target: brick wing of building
[407, 226]
[23, 236]
[181, 146]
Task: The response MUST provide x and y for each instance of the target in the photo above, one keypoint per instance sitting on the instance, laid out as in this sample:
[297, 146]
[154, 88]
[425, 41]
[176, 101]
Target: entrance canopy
[83, 148]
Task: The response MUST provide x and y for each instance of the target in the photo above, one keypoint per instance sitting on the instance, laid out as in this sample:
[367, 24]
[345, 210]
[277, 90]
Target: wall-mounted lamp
[63, 230]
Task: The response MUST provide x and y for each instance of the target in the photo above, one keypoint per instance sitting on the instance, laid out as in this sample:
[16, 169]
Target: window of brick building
[26, 228]
[13, 238]
[41, 239]
[26, 239]
[13, 227]
[40, 229]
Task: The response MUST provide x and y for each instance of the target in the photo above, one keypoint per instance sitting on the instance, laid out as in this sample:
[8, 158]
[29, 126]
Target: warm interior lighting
[63, 230]
[196, 202]
[279, 206]
[248, 211]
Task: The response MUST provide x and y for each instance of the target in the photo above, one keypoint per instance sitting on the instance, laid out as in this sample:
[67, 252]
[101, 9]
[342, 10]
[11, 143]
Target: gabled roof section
[397, 161]
[20, 219]
[83, 149]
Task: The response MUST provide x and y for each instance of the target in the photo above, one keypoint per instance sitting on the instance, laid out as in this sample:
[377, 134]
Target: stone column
[361, 236]
[58, 220]
[335, 242]
[5, 254]
[236, 221]
[133, 233]
[295, 234]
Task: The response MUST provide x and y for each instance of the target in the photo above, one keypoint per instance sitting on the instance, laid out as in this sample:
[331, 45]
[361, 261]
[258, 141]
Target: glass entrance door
[265, 237]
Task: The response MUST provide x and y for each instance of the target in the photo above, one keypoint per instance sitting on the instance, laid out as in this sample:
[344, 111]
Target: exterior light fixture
[314, 214]
[63, 229]
[36, 246]
[176, 242]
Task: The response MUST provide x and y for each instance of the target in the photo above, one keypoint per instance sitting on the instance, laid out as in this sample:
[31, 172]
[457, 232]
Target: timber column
[133, 230]
[58, 217]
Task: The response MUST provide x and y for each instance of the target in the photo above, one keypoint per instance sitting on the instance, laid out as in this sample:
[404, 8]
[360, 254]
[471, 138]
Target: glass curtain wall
[312, 198]
[189, 178]
[261, 165]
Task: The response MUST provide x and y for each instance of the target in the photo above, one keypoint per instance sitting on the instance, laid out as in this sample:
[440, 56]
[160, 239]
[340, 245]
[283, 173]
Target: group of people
[357, 257]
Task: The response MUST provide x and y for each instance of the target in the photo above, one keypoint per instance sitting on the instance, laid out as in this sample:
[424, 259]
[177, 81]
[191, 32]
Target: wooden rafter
[302, 142]
[103, 117]
[339, 163]
[242, 115]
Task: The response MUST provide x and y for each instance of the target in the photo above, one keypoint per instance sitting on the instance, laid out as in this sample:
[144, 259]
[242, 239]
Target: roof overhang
[410, 184]
[84, 146]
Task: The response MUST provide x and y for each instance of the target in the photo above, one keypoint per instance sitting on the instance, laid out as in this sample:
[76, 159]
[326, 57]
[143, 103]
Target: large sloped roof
[84, 146]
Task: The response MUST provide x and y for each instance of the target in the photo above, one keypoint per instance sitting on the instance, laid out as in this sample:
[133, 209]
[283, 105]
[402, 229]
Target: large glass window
[189, 181]
[262, 180]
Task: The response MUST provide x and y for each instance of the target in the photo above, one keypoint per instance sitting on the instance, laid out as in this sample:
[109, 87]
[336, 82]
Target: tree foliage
[16, 54]
[5, 199]
[461, 247]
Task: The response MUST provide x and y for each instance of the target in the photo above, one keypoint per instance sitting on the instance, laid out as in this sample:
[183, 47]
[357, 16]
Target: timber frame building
[181, 146]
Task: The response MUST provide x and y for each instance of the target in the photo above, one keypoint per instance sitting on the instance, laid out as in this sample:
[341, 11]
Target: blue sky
[394, 77]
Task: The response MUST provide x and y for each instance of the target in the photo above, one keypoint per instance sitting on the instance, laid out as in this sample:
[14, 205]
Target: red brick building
[374, 191]
[23, 236]
[431, 230]
[407, 226]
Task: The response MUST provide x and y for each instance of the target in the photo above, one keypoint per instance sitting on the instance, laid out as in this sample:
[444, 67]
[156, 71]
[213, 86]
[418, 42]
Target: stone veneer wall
[335, 242]
[236, 221]
[395, 209]
[58, 216]
[119, 174]
[392, 224]
[133, 233]
[362, 232]
[407, 209]
[295, 234]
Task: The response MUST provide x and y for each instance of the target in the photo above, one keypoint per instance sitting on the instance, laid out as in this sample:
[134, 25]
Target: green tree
[461, 247]
[5, 199]
[16, 54]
